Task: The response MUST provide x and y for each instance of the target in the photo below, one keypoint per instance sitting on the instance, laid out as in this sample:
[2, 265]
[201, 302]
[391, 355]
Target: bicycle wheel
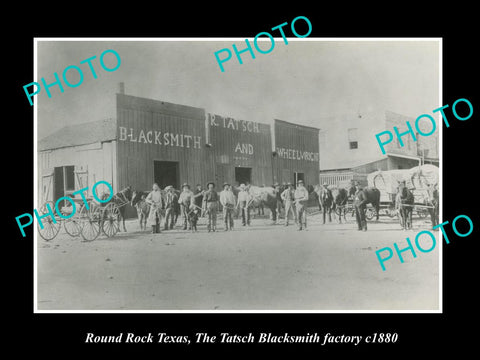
[90, 220]
[110, 219]
[49, 227]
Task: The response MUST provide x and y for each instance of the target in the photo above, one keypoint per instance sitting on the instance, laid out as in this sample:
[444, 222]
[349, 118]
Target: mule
[143, 209]
[325, 199]
[264, 197]
[340, 198]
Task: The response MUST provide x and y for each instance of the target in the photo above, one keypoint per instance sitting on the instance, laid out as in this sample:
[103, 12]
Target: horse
[325, 199]
[264, 196]
[340, 197]
[139, 203]
[404, 203]
[372, 195]
[120, 199]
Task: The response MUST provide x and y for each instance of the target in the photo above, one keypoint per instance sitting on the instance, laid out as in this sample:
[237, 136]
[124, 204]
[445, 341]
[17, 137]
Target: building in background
[351, 150]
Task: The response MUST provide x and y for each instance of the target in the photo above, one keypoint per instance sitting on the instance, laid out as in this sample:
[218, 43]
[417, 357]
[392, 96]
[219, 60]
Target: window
[353, 138]
[69, 178]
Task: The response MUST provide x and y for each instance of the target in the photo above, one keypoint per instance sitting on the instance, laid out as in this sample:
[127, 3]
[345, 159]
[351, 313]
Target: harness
[120, 196]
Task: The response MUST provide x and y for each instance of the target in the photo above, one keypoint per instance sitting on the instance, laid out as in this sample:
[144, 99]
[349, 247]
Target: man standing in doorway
[244, 204]
[301, 198]
[288, 196]
[227, 199]
[210, 206]
[185, 200]
[360, 204]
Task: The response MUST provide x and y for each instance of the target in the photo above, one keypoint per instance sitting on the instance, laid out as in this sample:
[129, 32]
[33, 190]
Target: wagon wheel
[370, 213]
[351, 210]
[50, 228]
[422, 213]
[392, 213]
[90, 221]
[72, 225]
[338, 210]
[110, 219]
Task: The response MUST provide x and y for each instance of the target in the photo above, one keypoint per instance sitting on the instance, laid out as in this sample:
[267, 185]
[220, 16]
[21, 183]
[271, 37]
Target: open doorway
[299, 176]
[243, 175]
[63, 181]
[166, 173]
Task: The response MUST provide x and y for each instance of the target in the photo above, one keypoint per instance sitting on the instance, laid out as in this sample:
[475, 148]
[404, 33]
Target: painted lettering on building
[293, 154]
[244, 148]
[233, 124]
[159, 138]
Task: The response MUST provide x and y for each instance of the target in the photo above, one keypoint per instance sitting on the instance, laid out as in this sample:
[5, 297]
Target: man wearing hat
[170, 199]
[155, 200]
[288, 196]
[244, 200]
[360, 203]
[301, 198]
[185, 200]
[210, 206]
[227, 199]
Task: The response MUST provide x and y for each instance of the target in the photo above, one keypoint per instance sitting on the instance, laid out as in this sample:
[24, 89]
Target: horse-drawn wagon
[418, 180]
[88, 218]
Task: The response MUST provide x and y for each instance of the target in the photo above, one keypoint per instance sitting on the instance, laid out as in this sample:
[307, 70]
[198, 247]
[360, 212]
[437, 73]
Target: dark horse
[325, 199]
[139, 203]
[121, 199]
[404, 203]
[372, 195]
[433, 202]
[340, 197]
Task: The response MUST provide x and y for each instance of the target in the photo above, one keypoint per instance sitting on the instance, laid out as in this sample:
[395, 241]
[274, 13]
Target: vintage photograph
[166, 184]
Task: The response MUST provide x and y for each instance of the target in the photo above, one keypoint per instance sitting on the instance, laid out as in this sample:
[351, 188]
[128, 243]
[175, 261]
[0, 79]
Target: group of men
[193, 204]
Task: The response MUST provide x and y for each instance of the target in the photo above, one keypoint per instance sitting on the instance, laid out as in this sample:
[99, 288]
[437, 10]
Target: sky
[303, 81]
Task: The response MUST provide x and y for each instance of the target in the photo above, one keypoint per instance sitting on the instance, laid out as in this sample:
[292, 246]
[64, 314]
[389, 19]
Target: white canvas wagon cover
[417, 179]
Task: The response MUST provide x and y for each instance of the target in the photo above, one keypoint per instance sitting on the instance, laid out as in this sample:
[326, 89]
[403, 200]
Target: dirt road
[262, 267]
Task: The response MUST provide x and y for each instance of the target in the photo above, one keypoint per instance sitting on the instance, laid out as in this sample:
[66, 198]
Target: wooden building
[241, 150]
[296, 155]
[154, 141]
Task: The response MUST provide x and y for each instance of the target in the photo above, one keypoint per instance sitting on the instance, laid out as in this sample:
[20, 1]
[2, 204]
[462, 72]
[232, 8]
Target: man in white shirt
[244, 199]
[155, 200]
[227, 199]
[301, 198]
[288, 197]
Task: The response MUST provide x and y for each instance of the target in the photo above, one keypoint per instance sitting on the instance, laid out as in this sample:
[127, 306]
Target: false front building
[154, 141]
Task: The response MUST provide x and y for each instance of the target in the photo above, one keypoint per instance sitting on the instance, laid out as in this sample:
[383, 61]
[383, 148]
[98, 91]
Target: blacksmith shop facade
[154, 141]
